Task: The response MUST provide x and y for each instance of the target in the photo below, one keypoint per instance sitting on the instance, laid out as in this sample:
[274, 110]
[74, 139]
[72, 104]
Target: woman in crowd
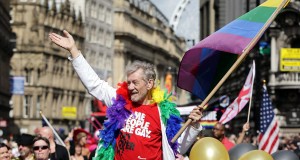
[78, 153]
[41, 148]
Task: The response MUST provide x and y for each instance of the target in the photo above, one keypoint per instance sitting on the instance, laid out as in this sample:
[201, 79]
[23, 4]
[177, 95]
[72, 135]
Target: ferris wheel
[175, 18]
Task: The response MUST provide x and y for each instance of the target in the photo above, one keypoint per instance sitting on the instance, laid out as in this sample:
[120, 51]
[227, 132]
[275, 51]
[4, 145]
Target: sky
[188, 26]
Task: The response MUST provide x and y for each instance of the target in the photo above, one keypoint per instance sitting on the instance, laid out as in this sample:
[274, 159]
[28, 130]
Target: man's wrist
[195, 125]
[74, 52]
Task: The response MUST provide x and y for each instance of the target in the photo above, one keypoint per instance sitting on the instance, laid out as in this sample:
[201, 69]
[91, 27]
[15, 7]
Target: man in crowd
[58, 152]
[25, 142]
[141, 120]
[219, 133]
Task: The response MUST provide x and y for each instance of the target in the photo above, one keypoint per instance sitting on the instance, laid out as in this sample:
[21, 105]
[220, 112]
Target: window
[101, 35]
[38, 106]
[93, 34]
[88, 36]
[27, 102]
[28, 76]
[102, 13]
[93, 10]
[108, 18]
[108, 40]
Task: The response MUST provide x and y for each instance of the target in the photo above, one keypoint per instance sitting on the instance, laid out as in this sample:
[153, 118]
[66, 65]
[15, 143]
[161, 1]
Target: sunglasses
[35, 148]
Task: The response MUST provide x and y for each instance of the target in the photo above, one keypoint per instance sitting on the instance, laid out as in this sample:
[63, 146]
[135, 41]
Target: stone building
[142, 33]
[7, 45]
[51, 85]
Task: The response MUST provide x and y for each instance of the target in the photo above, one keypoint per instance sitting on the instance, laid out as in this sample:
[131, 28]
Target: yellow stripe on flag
[273, 3]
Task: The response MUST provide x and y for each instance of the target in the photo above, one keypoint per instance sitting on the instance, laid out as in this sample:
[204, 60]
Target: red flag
[269, 130]
[244, 96]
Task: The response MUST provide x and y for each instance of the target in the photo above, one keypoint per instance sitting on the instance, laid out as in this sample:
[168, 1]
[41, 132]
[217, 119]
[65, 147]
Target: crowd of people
[44, 146]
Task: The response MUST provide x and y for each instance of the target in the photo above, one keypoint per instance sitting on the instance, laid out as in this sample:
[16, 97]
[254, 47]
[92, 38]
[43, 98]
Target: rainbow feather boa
[121, 110]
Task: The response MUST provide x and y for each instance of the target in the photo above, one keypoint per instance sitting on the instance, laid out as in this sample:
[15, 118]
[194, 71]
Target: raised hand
[67, 42]
[246, 127]
[195, 116]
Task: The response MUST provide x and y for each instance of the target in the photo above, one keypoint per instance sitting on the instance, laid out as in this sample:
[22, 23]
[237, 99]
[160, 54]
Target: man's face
[24, 150]
[218, 131]
[138, 87]
[4, 155]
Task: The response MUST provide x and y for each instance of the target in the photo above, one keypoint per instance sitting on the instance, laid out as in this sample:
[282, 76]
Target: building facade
[283, 84]
[51, 85]
[7, 45]
[99, 37]
[142, 33]
[284, 67]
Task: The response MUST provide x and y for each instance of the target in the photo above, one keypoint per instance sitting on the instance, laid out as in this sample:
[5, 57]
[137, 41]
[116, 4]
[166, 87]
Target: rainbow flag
[208, 124]
[203, 66]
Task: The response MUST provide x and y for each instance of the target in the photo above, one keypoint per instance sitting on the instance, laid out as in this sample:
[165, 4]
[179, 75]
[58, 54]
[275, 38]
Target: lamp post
[191, 44]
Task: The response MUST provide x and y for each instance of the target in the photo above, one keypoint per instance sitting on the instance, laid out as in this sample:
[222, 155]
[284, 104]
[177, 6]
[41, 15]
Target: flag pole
[53, 130]
[233, 67]
[251, 93]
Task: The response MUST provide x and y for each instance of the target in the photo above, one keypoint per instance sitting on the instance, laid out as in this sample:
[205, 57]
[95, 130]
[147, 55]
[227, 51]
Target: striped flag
[204, 65]
[244, 96]
[269, 130]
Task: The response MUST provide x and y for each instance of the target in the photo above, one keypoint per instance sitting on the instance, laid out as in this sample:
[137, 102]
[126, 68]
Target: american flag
[269, 129]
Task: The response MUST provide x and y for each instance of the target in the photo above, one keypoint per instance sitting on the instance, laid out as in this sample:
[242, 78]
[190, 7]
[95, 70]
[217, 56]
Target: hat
[79, 133]
[25, 139]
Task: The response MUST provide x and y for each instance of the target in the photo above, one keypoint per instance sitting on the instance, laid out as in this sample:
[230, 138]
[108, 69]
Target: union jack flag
[244, 96]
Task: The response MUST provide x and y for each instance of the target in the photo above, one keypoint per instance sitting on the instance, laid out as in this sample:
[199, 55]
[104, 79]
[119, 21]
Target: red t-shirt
[141, 137]
[228, 145]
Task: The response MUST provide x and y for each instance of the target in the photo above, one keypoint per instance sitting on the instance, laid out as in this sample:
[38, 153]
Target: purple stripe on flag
[224, 42]
[188, 68]
[197, 70]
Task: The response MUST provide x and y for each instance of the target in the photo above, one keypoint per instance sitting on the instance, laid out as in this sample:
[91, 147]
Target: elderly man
[58, 152]
[25, 142]
[219, 133]
[142, 120]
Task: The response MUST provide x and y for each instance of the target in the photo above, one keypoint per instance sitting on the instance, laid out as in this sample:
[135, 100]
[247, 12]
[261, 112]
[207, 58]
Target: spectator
[25, 142]
[78, 153]
[80, 137]
[58, 152]
[232, 138]
[4, 152]
[219, 133]
[41, 148]
[246, 127]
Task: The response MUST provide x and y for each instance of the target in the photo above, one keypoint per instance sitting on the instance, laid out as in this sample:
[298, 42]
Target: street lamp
[191, 40]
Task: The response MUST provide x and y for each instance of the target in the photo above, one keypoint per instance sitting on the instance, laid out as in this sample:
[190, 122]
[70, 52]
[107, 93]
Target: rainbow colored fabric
[206, 63]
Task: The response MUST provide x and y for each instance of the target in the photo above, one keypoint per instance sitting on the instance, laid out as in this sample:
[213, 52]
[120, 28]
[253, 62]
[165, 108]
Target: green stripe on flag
[258, 14]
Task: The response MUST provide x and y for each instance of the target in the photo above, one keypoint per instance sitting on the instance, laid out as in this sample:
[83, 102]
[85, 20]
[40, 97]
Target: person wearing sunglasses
[41, 148]
[219, 133]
